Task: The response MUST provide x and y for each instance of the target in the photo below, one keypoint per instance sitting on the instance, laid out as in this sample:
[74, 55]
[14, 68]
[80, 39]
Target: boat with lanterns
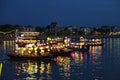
[91, 41]
[81, 48]
[81, 45]
[45, 49]
[30, 51]
[59, 46]
[65, 52]
[95, 42]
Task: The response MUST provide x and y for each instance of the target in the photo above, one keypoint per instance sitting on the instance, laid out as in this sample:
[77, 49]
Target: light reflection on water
[64, 66]
[100, 63]
[88, 65]
[35, 70]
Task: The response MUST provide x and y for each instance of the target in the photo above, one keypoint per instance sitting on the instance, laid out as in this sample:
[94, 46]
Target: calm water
[101, 63]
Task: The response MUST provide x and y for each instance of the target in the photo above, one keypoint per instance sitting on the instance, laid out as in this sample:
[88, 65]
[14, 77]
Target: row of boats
[50, 48]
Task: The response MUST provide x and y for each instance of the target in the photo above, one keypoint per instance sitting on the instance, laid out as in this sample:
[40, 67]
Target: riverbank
[102, 36]
[74, 37]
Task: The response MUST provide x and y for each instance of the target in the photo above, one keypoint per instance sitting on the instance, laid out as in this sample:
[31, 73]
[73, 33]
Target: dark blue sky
[65, 12]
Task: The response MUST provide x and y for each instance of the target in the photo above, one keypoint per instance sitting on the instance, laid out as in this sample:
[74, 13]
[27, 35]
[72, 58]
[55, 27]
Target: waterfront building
[53, 29]
[29, 32]
[73, 30]
[86, 30]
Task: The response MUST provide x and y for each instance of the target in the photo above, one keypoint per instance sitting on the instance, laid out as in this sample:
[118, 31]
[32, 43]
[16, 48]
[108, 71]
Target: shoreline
[85, 36]
[103, 36]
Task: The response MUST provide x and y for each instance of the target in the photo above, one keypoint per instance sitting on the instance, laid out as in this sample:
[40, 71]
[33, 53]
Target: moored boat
[20, 57]
[62, 52]
[80, 49]
[95, 42]
[30, 51]
[101, 44]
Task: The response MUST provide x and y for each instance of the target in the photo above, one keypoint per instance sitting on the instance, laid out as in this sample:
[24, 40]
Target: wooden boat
[80, 49]
[95, 42]
[92, 43]
[101, 44]
[20, 57]
[61, 53]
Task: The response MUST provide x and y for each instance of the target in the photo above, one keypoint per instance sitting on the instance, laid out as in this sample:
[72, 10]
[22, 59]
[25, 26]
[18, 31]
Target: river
[100, 63]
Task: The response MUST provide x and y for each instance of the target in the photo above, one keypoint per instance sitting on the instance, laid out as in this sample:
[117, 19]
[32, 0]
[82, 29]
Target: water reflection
[37, 70]
[97, 64]
[64, 69]
[8, 46]
[112, 58]
[96, 52]
[79, 57]
[90, 61]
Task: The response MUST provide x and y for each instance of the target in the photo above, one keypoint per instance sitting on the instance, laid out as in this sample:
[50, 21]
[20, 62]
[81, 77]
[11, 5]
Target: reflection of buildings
[64, 63]
[8, 46]
[79, 57]
[96, 52]
[30, 68]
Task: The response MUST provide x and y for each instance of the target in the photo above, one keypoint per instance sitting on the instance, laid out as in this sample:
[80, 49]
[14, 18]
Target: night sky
[65, 12]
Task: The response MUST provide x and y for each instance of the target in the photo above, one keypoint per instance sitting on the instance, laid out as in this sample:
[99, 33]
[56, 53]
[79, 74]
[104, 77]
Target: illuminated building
[29, 33]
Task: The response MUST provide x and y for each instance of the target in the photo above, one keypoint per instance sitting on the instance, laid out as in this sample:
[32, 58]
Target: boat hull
[61, 53]
[96, 44]
[12, 57]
